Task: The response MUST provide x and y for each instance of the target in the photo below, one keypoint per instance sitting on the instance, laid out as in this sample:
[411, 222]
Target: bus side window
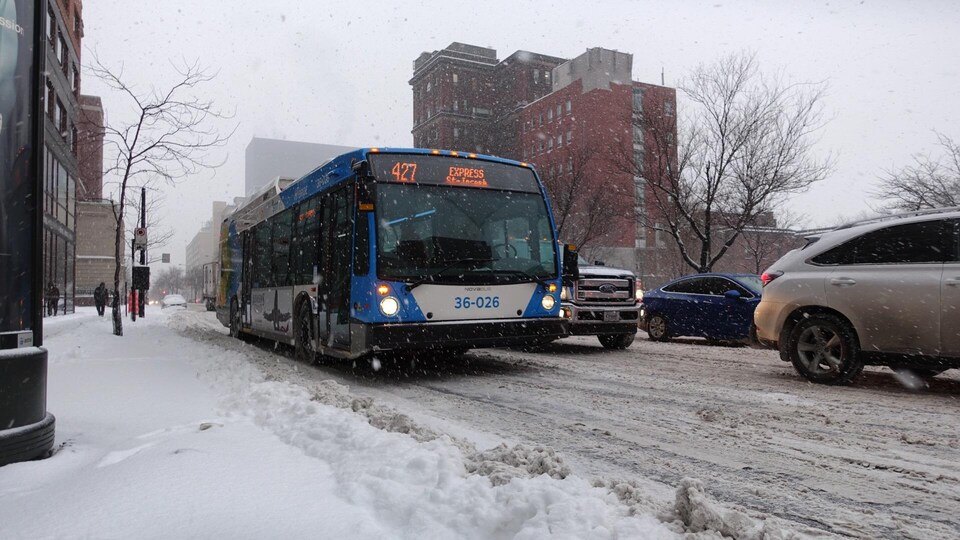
[304, 258]
[280, 257]
[262, 254]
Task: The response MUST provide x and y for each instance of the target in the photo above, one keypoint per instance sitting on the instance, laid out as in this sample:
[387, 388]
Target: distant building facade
[266, 159]
[64, 33]
[90, 148]
[203, 248]
[547, 111]
[96, 241]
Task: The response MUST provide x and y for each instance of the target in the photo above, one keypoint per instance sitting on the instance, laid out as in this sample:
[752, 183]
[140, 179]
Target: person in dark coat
[53, 299]
[100, 298]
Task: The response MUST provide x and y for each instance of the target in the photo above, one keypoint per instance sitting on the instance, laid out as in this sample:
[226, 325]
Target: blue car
[718, 307]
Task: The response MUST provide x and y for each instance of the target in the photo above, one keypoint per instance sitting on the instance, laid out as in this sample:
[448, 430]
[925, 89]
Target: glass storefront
[59, 248]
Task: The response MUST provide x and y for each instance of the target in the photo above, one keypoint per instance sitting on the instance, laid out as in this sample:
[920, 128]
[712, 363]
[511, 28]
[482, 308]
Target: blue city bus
[395, 250]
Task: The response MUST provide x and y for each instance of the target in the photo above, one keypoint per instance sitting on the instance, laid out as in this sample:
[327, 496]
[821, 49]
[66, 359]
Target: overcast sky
[336, 72]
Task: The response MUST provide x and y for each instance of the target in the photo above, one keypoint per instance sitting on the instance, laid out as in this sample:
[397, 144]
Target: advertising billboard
[19, 155]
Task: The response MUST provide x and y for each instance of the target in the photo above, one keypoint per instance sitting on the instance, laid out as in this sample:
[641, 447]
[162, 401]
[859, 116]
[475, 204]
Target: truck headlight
[389, 306]
[565, 293]
[548, 302]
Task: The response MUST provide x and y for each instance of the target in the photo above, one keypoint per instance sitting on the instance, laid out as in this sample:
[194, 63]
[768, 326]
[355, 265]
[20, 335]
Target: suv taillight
[767, 277]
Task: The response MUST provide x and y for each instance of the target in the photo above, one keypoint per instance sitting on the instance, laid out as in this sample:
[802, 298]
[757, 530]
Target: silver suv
[884, 291]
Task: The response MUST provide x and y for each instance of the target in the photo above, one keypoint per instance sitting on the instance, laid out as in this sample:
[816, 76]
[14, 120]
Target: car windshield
[463, 234]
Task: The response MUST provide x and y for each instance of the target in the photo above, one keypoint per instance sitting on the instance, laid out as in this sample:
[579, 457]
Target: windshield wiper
[523, 273]
[439, 273]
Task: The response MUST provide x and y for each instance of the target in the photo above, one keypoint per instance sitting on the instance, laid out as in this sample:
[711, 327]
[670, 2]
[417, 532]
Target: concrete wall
[96, 230]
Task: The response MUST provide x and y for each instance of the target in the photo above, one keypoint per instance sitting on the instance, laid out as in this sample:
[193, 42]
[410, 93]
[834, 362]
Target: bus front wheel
[304, 334]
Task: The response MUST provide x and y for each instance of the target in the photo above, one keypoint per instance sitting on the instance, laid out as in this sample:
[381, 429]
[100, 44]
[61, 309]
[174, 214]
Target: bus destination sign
[452, 171]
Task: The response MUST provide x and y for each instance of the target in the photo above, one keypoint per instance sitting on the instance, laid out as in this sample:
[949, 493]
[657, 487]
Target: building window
[569, 164]
[455, 79]
[76, 23]
[546, 75]
[61, 118]
[568, 107]
[51, 101]
[456, 133]
[569, 136]
[549, 144]
[455, 106]
[536, 75]
[63, 54]
[668, 108]
[559, 110]
[76, 81]
[429, 86]
[51, 27]
[540, 119]
[541, 146]
[74, 139]
[559, 141]
[550, 114]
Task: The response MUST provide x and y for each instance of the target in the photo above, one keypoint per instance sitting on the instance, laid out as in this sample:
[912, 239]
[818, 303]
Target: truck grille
[604, 291]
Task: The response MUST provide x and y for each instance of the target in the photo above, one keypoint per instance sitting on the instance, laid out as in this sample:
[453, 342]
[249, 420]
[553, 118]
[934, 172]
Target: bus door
[334, 289]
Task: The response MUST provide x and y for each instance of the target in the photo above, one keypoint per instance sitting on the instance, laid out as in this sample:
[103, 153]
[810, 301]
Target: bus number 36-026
[480, 302]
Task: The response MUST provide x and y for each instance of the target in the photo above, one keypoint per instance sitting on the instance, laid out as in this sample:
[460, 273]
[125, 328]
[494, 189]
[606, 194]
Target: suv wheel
[824, 349]
[657, 328]
[616, 341]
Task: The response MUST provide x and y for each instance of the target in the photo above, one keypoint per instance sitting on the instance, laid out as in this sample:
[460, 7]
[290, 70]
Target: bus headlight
[389, 306]
[548, 302]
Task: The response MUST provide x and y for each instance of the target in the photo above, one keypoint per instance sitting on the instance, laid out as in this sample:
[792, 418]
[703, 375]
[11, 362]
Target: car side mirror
[732, 294]
[599, 263]
[571, 264]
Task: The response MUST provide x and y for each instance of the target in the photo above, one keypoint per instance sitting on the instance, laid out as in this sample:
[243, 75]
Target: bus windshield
[463, 235]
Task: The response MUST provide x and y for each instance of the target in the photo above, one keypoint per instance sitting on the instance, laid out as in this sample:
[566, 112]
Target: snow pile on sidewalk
[148, 449]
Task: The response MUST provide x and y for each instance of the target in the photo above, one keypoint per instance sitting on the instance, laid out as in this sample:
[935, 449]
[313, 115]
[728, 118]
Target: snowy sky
[336, 71]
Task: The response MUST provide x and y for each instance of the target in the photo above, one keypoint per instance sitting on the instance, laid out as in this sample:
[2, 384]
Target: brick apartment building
[549, 111]
[96, 216]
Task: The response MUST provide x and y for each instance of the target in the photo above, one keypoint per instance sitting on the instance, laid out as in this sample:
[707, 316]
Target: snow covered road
[874, 460]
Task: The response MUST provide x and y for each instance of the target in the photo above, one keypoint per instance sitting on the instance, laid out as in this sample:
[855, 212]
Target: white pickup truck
[604, 302]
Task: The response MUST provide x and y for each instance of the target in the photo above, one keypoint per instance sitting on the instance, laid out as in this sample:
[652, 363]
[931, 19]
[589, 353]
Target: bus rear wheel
[304, 335]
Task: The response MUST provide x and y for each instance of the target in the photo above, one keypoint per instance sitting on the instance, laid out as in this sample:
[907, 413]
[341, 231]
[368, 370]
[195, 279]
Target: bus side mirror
[571, 265]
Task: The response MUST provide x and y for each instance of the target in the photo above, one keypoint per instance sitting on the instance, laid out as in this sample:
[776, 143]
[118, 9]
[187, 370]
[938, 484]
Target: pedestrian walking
[53, 298]
[100, 298]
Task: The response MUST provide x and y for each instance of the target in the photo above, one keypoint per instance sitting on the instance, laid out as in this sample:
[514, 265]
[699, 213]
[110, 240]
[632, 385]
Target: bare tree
[171, 280]
[168, 137]
[931, 181]
[763, 244]
[584, 208]
[746, 142]
[160, 233]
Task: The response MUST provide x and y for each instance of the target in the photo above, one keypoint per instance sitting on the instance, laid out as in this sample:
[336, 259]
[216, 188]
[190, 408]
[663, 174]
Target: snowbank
[162, 436]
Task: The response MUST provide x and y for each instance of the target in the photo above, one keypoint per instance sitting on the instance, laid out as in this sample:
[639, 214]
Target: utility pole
[141, 272]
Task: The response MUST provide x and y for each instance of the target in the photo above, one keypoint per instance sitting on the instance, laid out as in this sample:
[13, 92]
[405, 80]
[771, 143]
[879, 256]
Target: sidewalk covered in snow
[163, 436]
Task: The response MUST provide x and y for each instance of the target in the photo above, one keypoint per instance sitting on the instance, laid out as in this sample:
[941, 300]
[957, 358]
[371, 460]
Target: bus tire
[234, 319]
[303, 334]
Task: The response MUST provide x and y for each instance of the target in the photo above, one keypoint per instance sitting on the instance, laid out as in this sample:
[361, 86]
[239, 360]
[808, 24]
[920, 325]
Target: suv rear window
[923, 242]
